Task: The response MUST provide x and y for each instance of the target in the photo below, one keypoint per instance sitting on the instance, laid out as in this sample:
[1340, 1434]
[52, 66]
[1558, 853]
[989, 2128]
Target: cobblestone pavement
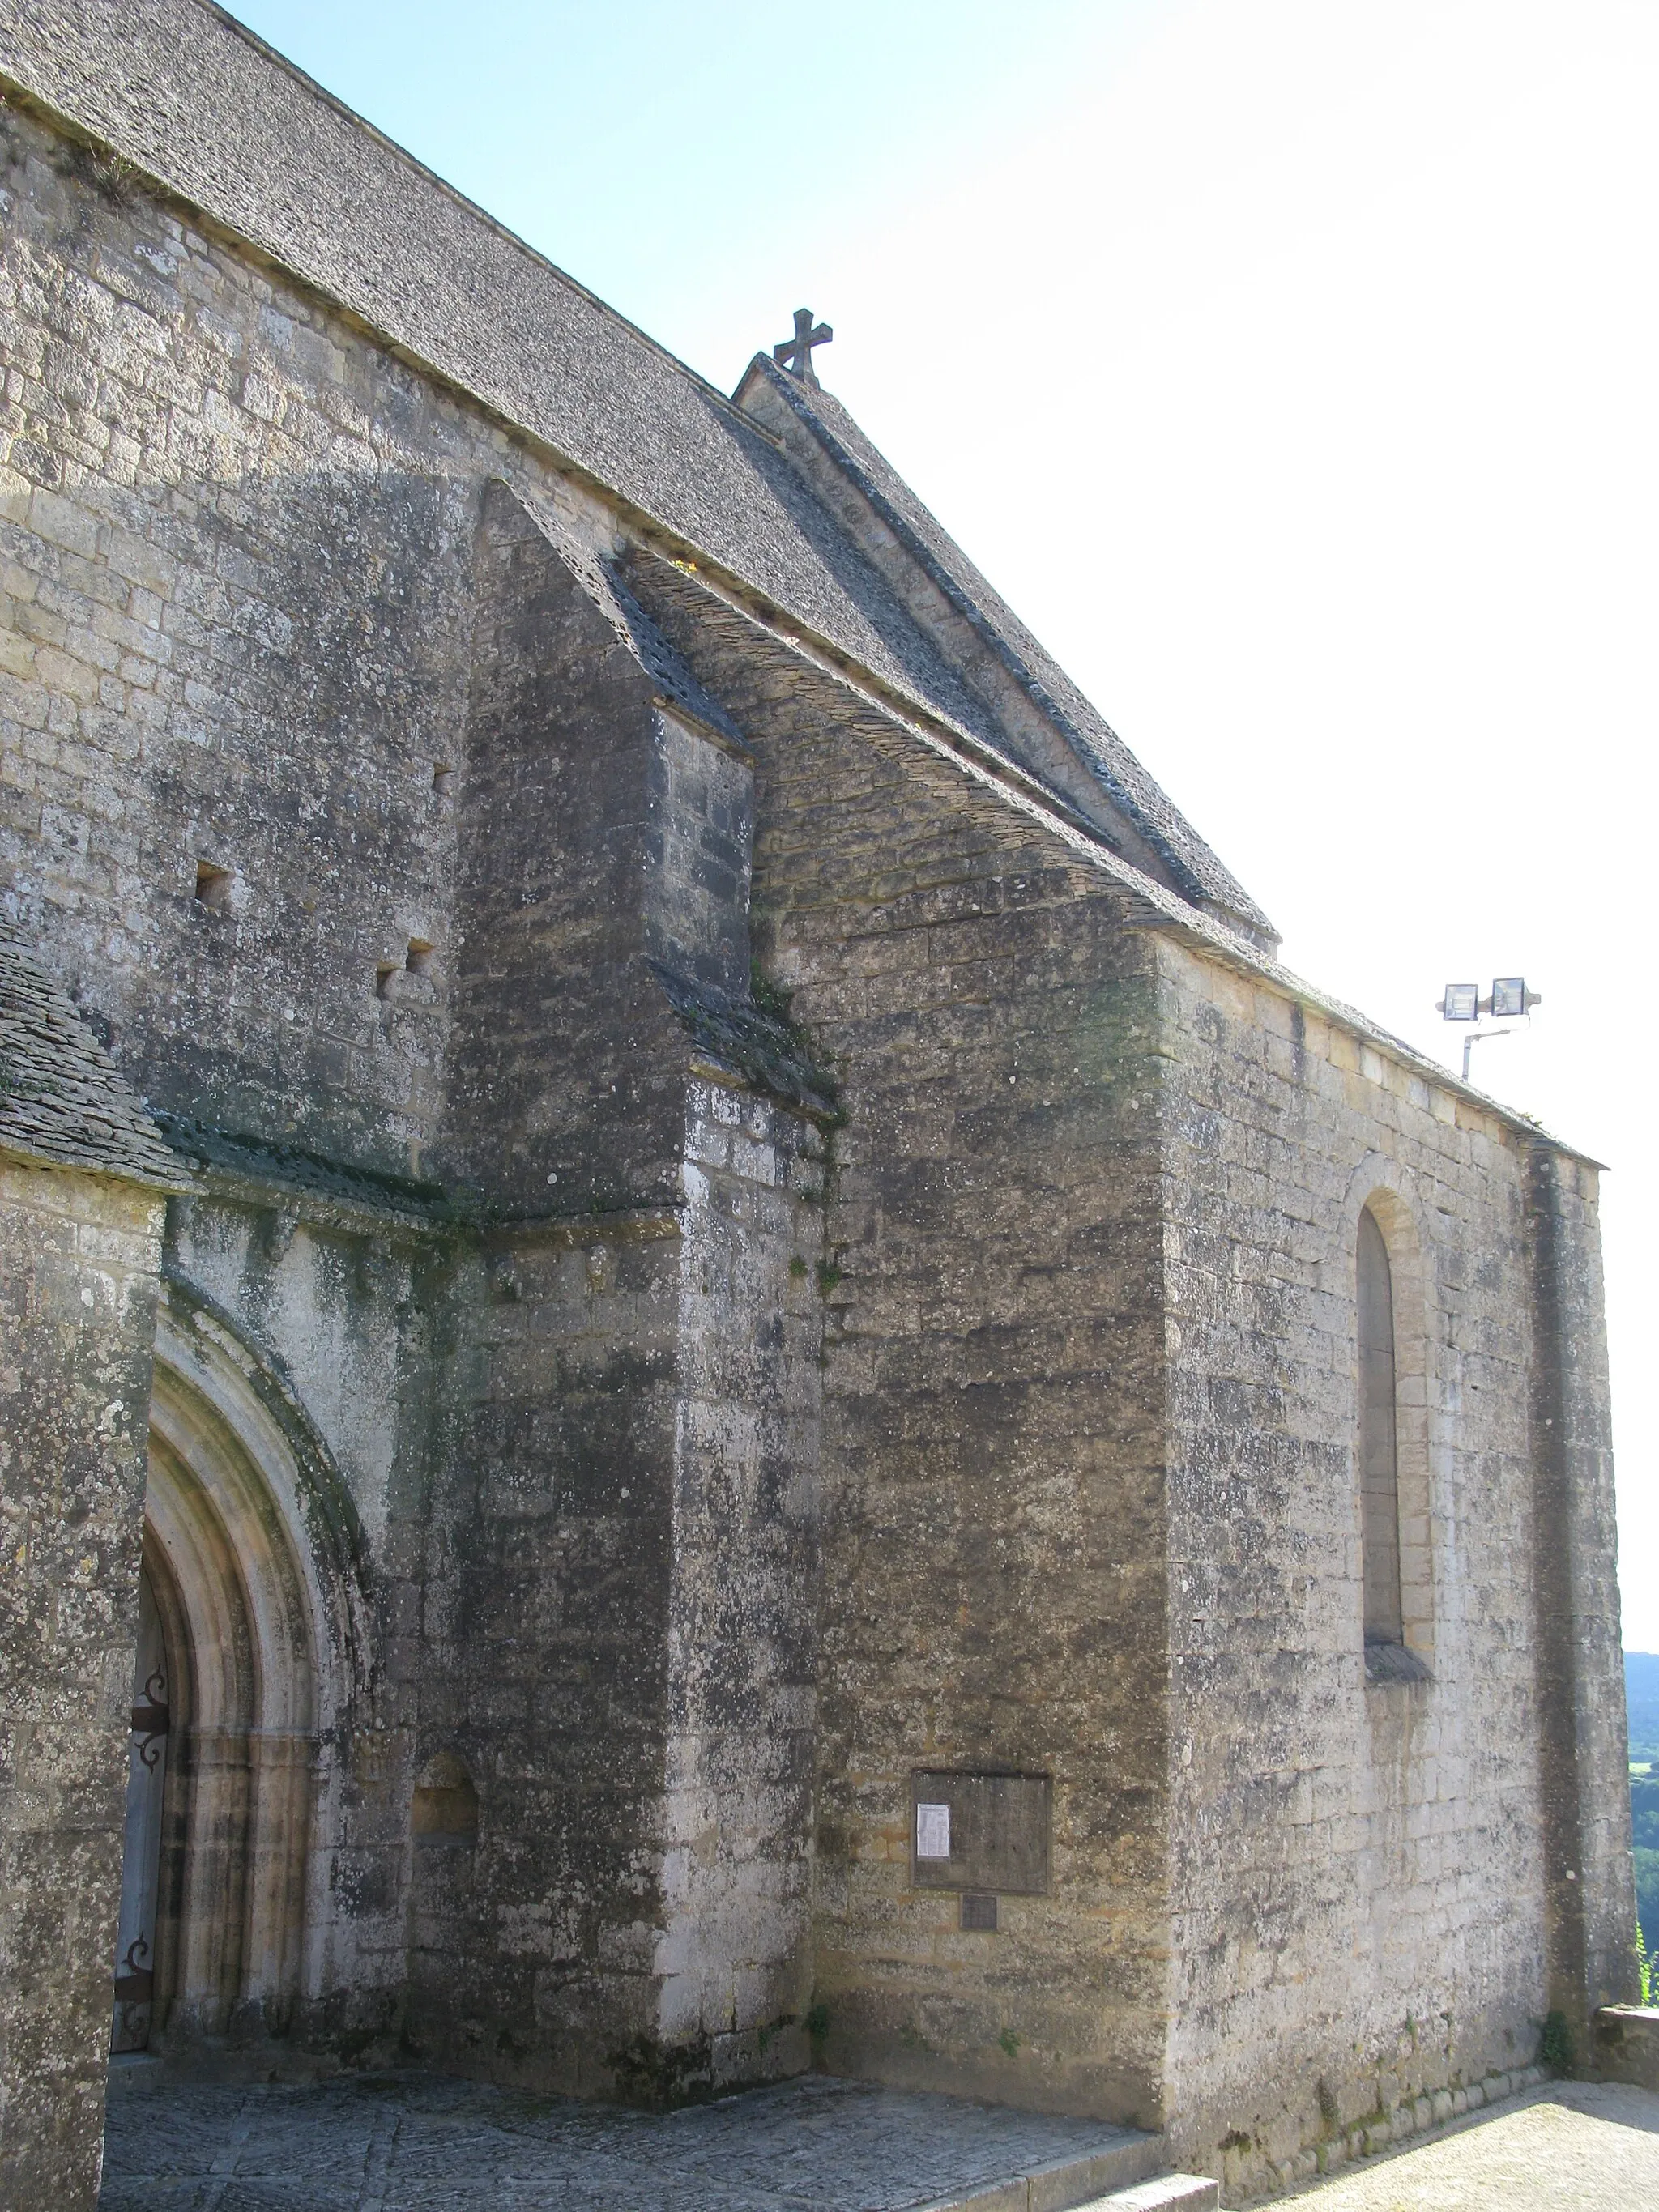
[1575, 2147]
[422, 2143]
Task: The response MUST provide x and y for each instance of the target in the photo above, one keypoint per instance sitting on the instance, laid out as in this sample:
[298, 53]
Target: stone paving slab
[413, 2142]
[1573, 2146]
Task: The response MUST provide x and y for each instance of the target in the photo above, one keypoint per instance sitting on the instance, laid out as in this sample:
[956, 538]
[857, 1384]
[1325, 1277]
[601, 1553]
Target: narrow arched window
[1379, 1452]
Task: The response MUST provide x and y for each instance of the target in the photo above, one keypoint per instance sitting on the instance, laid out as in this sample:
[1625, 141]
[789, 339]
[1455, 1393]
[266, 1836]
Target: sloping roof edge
[1194, 865]
[357, 222]
[63, 1103]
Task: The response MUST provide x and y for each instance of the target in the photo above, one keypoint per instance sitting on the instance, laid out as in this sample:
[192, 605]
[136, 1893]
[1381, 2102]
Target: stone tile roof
[1026, 661]
[754, 1045]
[63, 1100]
[192, 98]
[676, 684]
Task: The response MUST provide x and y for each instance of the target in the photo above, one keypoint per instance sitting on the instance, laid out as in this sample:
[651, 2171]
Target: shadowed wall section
[619, 1602]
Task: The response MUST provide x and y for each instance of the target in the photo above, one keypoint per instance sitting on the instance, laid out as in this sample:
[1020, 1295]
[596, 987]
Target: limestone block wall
[621, 1585]
[542, 1657]
[993, 1590]
[993, 1593]
[355, 827]
[237, 586]
[79, 1259]
[700, 830]
[568, 1081]
[362, 823]
[1584, 1751]
[235, 640]
[1359, 1870]
[735, 1957]
[617, 1635]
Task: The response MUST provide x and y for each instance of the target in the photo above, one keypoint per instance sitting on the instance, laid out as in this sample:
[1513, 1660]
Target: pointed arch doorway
[242, 1665]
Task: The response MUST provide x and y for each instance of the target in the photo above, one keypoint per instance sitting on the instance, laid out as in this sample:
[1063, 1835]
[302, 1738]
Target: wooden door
[141, 1861]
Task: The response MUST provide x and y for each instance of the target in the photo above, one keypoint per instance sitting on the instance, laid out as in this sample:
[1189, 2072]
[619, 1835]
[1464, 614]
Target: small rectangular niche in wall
[444, 1811]
[213, 885]
[442, 774]
[418, 959]
[983, 1833]
[385, 974]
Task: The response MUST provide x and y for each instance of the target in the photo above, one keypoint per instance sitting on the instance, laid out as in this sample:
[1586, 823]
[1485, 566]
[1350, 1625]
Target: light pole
[1510, 1000]
[1480, 1036]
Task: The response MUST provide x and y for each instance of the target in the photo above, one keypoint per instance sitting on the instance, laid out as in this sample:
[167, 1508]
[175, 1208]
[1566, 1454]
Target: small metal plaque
[932, 1831]
[979, 1911]
[994, 1832]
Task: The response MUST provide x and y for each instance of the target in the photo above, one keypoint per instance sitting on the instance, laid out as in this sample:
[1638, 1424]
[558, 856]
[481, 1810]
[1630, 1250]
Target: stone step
[1165, 2192]
[1065, 2183]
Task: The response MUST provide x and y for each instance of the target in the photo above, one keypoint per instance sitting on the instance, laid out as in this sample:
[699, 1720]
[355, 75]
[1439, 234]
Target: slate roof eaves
[63, 1100]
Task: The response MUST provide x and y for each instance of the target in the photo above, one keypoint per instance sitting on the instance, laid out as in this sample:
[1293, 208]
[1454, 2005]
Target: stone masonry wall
[79, 1259]
[1358, 1868]
[542, 1656]
[235, 638]
[568, 1086]
[237, 557]
[993, 1596]
[616, 1637]
[993, 1589]
[621, 1598]
[334, 866]
[736, 1956]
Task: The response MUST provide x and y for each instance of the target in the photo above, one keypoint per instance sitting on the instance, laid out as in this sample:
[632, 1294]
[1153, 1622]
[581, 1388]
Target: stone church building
[704, 1370]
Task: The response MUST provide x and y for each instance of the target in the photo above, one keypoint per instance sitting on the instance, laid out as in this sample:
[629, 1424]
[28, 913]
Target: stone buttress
[622, 1588]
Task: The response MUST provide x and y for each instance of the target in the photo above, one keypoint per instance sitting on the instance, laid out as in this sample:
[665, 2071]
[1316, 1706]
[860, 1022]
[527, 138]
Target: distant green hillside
[1642, 1701]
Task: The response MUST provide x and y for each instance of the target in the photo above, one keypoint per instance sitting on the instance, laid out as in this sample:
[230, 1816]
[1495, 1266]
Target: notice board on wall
[981, 1832]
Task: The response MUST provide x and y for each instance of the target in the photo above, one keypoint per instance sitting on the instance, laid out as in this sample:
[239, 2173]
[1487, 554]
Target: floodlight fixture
[1510, 1002]
[1510, 999]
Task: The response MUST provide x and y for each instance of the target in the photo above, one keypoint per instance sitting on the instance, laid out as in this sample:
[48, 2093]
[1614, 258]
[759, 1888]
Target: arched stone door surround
[252, 1552]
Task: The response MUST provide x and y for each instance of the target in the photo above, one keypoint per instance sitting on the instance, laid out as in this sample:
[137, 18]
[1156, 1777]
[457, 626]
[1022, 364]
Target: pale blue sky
[1290, 366]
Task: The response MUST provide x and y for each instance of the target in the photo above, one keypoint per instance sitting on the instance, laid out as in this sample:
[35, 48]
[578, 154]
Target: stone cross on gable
[795, 354]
